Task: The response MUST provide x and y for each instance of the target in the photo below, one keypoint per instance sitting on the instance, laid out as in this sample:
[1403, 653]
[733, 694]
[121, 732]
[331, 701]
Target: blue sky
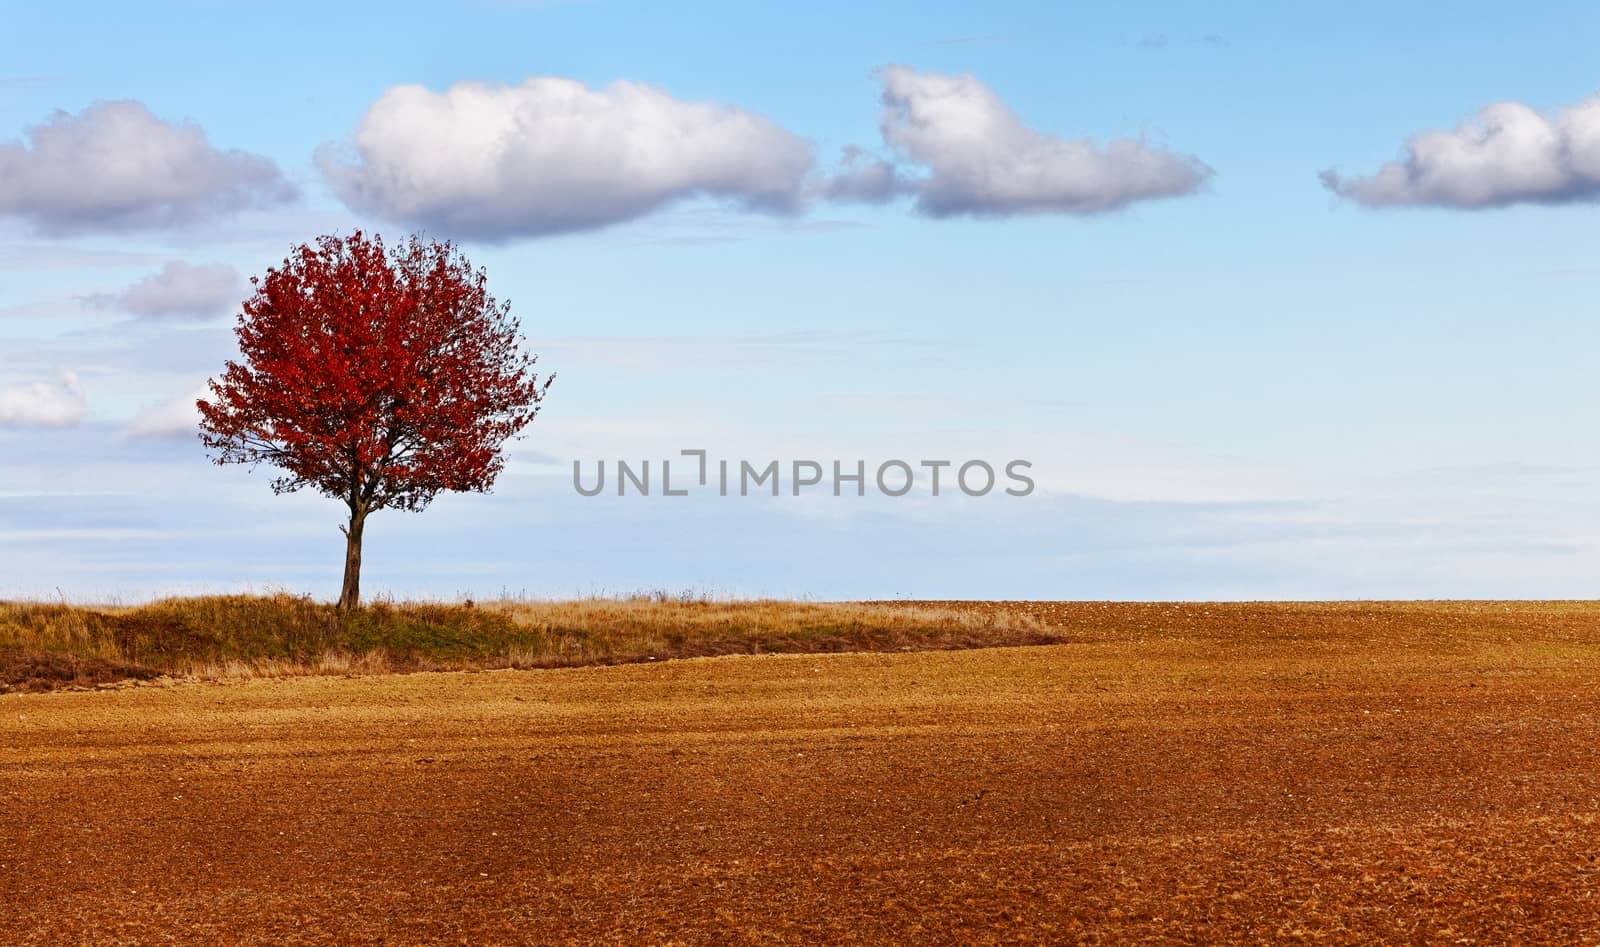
[1233, 382]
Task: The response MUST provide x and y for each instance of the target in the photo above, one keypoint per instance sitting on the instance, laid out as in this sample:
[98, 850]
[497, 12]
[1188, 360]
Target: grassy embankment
[45, 646]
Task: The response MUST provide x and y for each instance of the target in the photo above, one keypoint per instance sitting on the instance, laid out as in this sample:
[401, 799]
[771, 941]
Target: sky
[1276, 302]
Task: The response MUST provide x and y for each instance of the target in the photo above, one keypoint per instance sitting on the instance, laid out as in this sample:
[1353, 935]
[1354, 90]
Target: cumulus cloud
[44, 405]
[1508, 153]
[979, 158]
[178, 291]
[552, 155]
[115, 167]
[862, 177]
[169, 419]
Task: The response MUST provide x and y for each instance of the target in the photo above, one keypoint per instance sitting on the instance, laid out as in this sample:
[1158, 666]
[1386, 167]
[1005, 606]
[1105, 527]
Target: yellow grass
[50, 645]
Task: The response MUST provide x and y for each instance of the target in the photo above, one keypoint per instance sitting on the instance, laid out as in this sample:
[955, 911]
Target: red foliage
[379, 376]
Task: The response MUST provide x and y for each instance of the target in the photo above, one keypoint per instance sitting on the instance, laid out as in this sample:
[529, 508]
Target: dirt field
[1400, 773]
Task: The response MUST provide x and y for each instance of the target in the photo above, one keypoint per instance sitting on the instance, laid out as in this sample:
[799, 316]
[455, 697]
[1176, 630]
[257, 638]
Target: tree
[379, 376]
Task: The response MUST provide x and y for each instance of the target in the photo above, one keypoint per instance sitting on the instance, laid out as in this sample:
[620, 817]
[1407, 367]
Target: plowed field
[1341, 772]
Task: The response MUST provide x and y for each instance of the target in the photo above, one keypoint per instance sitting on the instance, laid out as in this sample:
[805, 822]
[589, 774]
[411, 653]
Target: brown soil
[1422, 773]
[31, 671]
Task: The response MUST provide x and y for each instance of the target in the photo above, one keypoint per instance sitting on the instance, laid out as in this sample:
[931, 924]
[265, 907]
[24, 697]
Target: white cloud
[175, 418]
[115, 166]
[44, 405]
[980, 158]
[179, 291]
[552, 155]
[1508, 153]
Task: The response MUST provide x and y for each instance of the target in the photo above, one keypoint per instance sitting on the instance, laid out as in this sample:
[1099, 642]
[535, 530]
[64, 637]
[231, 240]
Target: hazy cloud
[552, 155]
[175, 418]
[43, 405]
[50, 256]
[115, 166]
[178, 291]
[1508, 153]
[980, 158]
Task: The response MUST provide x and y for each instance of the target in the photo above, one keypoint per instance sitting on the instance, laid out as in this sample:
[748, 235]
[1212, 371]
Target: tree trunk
[350, 596]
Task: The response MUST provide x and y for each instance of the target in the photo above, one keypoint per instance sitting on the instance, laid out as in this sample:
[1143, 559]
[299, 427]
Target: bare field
[1422, 772]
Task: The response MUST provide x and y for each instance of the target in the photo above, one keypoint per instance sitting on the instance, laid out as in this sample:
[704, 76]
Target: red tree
[378, 376]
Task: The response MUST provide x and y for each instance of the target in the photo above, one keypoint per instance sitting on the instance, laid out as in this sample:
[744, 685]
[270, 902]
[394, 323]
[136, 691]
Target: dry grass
[46, 646]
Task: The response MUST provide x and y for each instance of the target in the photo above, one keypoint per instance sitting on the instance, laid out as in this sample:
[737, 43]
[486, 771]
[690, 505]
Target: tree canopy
[378, 376]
